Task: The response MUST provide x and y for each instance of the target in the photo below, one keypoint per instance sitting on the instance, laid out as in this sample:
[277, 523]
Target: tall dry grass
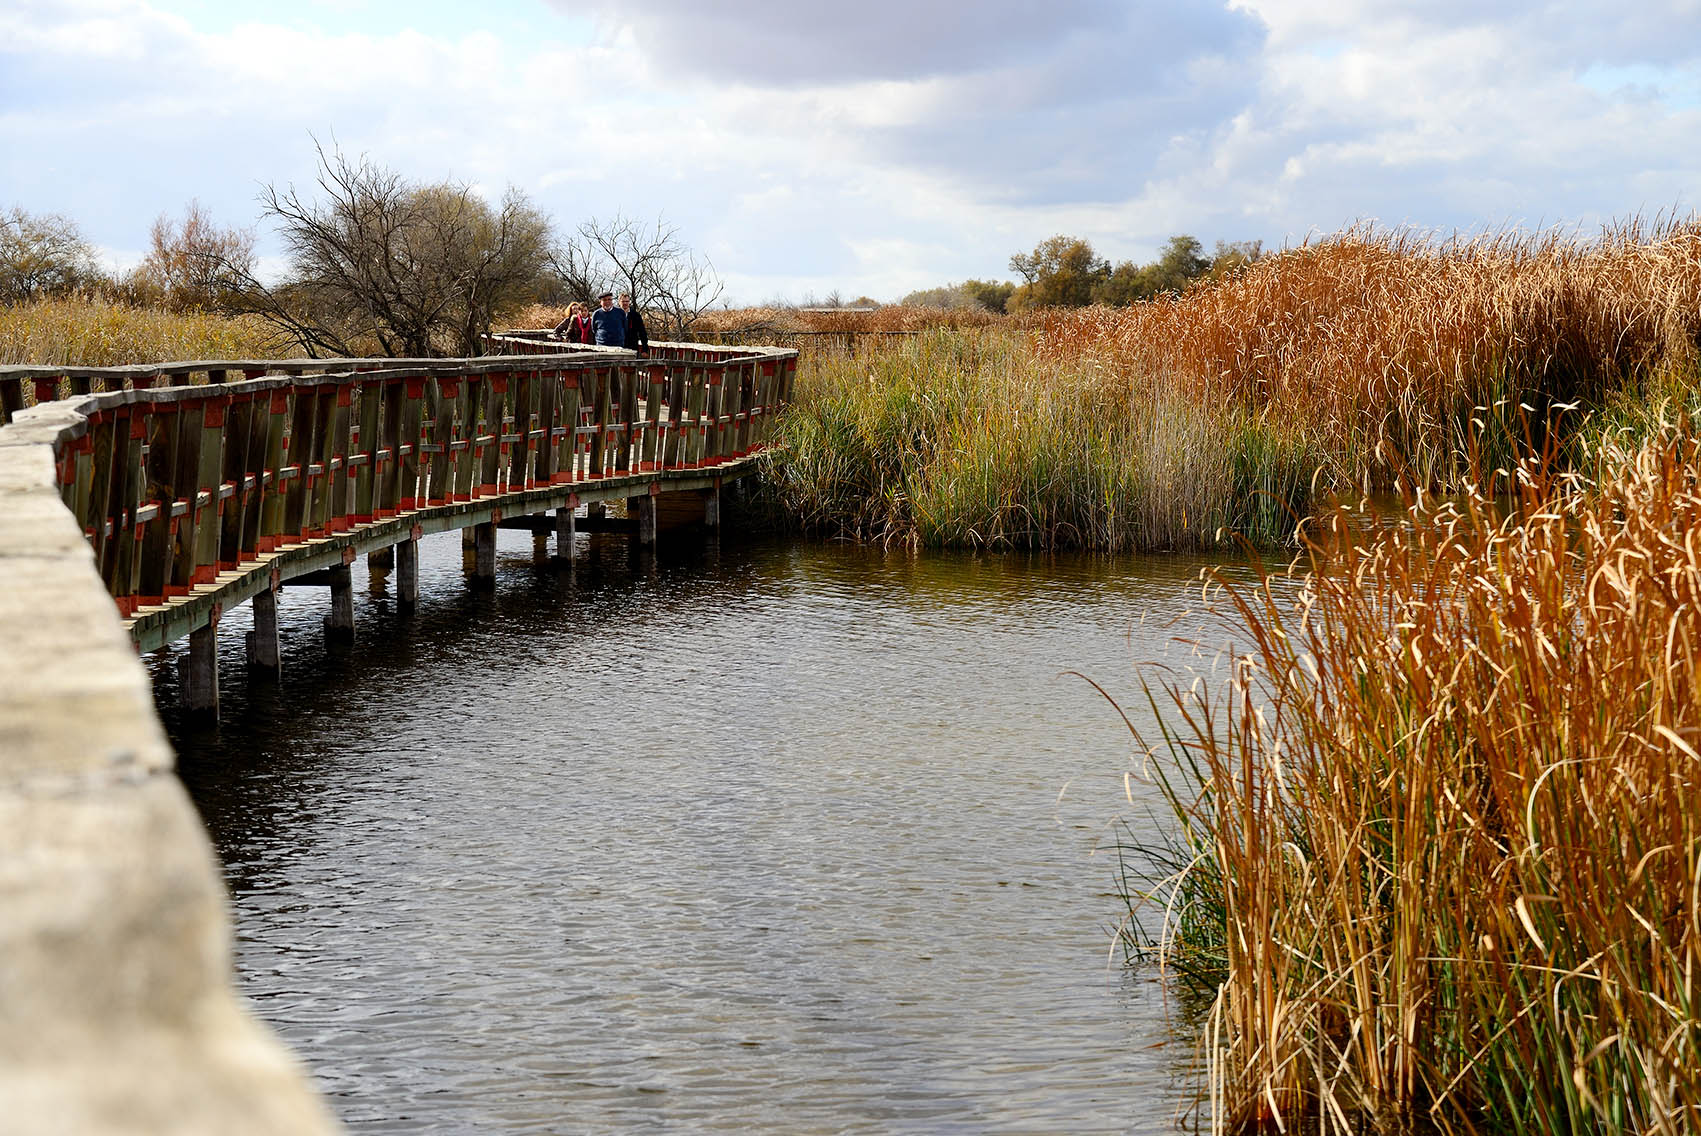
[1439, 850]
[1364, 361]
[973, 439]
[1403, 352]
[94, 332]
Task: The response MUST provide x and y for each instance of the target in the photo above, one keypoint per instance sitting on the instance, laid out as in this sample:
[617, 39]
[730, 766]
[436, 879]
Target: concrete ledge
[117, 1010]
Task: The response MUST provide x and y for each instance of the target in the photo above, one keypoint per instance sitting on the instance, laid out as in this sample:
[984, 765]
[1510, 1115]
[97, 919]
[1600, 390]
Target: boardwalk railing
[141, 489]
[174, 484]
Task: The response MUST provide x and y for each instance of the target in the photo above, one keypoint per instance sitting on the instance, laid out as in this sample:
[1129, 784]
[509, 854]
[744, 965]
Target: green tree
[993, 295]
[1124, 284]
[1181, 262]
[1060, 272]
[990, 295]
[1232, 256]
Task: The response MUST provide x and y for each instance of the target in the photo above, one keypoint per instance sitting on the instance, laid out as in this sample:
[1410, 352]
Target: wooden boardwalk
[197, 496]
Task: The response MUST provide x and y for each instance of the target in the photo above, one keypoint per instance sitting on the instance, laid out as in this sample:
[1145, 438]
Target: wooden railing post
[11, 398]
[365, 450]
[274, 497]
[208, 513]
[468, 400]
[519, 452]
[714, 434]
[441, 395]
[548, 412]
[491, 427]
[341, 477]
[567, 463]
[388, 477]
[409, 496]
[649, 446]
[600, 377]
[160, 493]
[324, 455]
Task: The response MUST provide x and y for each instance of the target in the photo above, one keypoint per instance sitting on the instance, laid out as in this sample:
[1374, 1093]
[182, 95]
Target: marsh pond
[770, 837]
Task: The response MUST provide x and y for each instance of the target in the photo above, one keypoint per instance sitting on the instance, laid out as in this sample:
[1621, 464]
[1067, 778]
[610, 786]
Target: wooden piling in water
[566, 532]
[199, 670]
[407, 574]
[484, 555]
[263, 652]
[339, 624]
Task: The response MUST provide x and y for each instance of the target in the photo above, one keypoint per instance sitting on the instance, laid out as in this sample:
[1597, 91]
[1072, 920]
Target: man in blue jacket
[608, 323]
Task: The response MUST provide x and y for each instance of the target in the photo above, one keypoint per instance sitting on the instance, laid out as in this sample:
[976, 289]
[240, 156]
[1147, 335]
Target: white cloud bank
[880, 147]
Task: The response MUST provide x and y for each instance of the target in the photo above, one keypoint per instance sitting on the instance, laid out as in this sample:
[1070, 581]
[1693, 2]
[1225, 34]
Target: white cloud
[810, 148]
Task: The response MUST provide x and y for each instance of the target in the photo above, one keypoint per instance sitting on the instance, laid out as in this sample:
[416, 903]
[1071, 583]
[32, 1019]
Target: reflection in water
[790, 838]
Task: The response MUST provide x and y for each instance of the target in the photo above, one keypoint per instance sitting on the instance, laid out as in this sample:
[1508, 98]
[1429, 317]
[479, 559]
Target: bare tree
[664, 276]
[42, 254]
[412, 269]
[193, 263]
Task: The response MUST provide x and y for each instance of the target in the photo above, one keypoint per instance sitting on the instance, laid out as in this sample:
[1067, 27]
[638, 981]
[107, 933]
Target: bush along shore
[1361, 362]
[1437, 853]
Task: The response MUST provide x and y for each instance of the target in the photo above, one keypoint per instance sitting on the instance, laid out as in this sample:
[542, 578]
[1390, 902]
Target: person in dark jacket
[608, 323]
[637, 336]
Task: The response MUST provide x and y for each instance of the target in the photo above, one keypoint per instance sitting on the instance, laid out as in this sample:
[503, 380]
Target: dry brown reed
[95, 332]
[1388, 344]
[1441, 844]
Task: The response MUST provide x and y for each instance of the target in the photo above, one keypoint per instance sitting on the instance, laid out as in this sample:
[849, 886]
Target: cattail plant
[1437, 851]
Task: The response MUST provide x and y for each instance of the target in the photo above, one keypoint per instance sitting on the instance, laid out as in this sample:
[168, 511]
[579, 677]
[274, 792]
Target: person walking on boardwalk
[637, 336]
[576, 326]
[608, 323]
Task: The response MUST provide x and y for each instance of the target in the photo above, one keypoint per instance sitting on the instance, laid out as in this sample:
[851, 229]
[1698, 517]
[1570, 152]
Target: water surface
[779, 838]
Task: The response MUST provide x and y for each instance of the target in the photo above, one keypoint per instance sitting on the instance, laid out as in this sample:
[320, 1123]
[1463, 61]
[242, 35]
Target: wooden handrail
[173, 484]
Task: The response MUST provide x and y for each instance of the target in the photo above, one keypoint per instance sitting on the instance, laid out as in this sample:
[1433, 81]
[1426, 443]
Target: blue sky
[869, 148]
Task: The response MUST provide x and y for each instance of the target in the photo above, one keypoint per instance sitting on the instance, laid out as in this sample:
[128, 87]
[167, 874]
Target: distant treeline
[376, 264]
[1065, 272]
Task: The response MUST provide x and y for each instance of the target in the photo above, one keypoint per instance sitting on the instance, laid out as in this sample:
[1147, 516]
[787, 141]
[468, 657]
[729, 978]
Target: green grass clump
[1438, 853]
[973, 439]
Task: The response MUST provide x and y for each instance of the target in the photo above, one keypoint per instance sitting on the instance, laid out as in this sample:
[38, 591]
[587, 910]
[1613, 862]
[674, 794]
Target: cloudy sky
[874, 147]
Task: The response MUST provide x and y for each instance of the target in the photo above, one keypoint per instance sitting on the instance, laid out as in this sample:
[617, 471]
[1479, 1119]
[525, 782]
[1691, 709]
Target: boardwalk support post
[263, 653]
[566, 532]
[712, 507]
[199, 671]
[484, 555]
[339, 625]
[407, 574]
[644, 510]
